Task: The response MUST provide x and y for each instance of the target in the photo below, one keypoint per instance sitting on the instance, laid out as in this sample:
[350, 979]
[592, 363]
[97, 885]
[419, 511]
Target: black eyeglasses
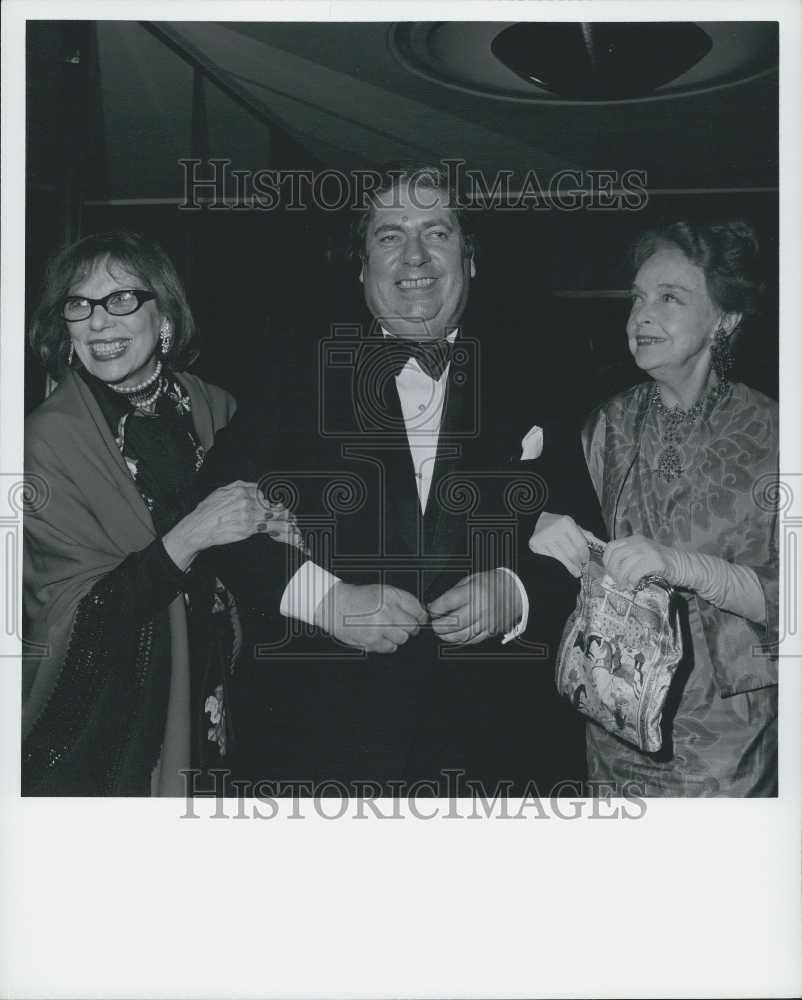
[123, 302]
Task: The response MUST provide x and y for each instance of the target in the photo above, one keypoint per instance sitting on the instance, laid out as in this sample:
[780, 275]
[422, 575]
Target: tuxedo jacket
[331, 443]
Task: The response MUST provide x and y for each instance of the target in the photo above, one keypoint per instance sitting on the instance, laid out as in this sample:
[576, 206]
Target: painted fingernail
[268, 515]
[261, 526]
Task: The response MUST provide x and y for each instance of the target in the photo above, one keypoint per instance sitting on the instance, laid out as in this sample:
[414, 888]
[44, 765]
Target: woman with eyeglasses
[129, 637]
[685, 468]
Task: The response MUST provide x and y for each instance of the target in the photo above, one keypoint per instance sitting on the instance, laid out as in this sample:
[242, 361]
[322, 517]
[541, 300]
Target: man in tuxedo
[409, 642]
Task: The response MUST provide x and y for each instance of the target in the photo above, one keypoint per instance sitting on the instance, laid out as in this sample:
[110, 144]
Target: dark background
[265, 286]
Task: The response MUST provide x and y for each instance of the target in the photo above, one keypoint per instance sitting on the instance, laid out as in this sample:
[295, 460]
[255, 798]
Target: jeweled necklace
[142, 396]
[676, 425]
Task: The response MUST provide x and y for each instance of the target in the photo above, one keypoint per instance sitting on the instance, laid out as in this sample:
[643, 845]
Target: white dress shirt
[422, 401]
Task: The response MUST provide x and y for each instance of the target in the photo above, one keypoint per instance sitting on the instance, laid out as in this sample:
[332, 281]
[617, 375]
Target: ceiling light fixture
[573, 63]
[612, 61]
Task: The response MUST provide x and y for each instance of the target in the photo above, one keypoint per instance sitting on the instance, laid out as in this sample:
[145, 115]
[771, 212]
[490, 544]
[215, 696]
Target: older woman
[116, 606]
[677, 463]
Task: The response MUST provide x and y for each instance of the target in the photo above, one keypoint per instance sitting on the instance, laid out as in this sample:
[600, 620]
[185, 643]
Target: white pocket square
[532, 444]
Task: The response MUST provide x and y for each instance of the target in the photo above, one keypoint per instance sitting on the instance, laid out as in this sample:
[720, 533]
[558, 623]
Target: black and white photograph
[401, 427]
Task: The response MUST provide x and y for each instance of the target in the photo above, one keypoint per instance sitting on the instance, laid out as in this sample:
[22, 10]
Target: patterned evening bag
[619, 653]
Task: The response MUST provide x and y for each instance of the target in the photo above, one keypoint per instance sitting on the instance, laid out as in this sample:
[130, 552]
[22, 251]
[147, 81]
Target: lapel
[438, 531]
[380, 431]
[458, 425]
[403, 513]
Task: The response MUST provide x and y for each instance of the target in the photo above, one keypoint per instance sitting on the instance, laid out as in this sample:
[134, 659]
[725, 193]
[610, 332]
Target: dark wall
[266, 286]
[537, 264]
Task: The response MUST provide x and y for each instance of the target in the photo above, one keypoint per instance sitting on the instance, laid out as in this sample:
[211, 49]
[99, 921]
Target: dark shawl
[91, 519]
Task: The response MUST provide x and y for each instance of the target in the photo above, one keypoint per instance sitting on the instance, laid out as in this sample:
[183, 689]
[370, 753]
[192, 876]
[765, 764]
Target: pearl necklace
[676, 426]
[139, 395]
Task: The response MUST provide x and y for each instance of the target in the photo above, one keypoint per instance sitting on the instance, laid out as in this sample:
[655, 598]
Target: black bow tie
[432, 355]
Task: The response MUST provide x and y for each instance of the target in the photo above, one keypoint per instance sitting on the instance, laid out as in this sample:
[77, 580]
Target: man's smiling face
[415, 272]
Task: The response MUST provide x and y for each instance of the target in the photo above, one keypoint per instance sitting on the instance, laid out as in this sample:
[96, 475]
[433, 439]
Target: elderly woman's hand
[230, 514]
[282, 526]
[561, 538]
[628, 560]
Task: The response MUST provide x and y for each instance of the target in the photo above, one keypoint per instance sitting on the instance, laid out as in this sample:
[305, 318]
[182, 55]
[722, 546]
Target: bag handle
[594, 544]
[597, 546]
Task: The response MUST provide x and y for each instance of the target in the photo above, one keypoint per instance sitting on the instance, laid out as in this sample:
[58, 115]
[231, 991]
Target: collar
[450, 338]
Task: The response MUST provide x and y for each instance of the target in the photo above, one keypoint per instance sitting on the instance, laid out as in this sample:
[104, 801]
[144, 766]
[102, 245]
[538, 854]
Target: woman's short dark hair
[727, 252]
[132, 252]
[416, 174]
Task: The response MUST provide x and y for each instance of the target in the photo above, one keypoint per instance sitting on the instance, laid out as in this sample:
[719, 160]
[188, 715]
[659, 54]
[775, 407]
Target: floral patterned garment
[720, 722]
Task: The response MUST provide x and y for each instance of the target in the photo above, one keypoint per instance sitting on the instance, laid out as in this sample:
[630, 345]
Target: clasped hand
[627, 560]
[231, 513]
[379, 619]
[480, 605]
[371, 617]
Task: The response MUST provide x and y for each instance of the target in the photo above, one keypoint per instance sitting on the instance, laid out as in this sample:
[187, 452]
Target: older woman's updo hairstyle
[727, 252]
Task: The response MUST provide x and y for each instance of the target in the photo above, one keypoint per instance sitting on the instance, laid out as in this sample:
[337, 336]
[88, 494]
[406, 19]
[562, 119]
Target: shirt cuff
[520, 628]
[305, 591]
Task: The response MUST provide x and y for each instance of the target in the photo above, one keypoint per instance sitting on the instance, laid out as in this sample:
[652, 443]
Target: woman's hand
[230, 514]
[561, 538]
[628, 560]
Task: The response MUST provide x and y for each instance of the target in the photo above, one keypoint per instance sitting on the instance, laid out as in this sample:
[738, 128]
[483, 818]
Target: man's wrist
[324, 609]
[522, 606]
[305, 591]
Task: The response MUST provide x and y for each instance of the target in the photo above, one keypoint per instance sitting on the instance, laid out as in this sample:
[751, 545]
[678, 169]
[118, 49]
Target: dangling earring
[722, 355]
[70, 354]
[165, 336]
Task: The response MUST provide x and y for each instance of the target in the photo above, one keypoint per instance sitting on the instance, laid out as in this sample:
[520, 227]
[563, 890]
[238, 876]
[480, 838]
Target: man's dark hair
[415, 174]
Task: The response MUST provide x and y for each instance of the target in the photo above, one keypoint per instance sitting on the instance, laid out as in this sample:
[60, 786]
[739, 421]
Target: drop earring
[721, 353]
[165, 336]
[70, 354]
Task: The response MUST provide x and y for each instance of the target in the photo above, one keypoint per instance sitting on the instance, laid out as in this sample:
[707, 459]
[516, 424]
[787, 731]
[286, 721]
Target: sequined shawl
[723, 504]
[88, 516]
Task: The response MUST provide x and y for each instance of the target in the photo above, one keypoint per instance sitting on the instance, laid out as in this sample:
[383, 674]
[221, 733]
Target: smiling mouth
[647, 341]
[410, 284]
[108, 350]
